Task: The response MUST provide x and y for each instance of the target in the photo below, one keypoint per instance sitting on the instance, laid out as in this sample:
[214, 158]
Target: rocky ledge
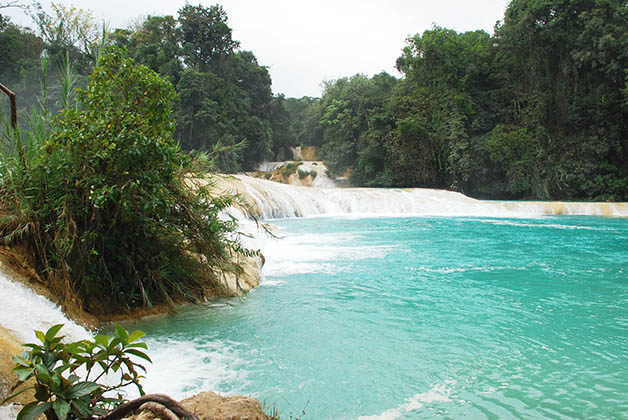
[205, 406]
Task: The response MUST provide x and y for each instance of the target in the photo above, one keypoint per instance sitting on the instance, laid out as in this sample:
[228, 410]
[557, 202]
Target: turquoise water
[413, 318]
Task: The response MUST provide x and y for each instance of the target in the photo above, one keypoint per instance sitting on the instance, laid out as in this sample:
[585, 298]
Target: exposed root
[167, 402]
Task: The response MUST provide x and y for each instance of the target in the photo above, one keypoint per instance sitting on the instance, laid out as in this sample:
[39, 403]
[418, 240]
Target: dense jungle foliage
[537, 110]
[100, 193]
[224, 96]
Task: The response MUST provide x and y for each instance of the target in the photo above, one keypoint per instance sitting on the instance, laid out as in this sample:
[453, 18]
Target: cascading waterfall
[23, 310]
[274, 201]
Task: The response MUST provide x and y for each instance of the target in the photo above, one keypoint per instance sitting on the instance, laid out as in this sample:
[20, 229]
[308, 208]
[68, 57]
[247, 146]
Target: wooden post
[13, 105]
[14, 123]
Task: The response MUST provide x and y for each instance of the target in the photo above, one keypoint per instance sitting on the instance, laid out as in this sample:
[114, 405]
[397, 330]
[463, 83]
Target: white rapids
[271, 200]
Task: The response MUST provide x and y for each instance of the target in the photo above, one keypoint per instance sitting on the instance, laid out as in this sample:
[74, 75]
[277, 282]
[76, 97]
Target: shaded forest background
[537, 110]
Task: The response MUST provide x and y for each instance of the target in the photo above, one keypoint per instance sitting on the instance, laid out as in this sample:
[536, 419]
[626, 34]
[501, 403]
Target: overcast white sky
[305, 42]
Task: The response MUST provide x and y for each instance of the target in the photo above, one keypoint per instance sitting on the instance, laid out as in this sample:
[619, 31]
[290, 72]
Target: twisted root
[128, 407]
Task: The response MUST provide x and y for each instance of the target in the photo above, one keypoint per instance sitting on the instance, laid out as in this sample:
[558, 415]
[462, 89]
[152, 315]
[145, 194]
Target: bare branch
[14, 3]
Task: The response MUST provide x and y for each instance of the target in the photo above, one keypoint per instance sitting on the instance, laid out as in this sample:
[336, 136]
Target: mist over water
[417, 317]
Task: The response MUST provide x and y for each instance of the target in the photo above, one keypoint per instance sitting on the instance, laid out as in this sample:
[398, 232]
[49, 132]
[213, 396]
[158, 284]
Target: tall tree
[206, 37]
[280, 123]
[156, 44]
[443, 103]
[564, 67]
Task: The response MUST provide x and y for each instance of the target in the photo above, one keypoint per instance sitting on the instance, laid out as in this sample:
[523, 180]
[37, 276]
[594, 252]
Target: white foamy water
[181, 369]
[303, 254]
[273, 200]
[438, 393]
[22, 311]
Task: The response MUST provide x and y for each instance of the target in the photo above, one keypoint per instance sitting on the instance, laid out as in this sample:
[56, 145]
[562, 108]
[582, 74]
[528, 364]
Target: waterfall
[23, 311]
[272, 200]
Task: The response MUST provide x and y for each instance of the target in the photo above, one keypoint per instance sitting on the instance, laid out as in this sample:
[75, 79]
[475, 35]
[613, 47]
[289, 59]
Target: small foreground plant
[54, 367]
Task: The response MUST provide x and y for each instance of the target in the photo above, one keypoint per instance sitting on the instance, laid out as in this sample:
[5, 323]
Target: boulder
[10, 346]
[209, 405]
[206, 406]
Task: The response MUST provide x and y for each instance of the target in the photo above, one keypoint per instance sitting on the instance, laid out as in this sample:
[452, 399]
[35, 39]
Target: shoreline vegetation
[100, 200]
[100, 205]
[96, 203]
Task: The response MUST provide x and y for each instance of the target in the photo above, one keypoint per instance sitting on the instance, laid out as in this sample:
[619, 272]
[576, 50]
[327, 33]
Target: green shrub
[303, 174]
[104, 201]
[290, 168]
[60, 393]
[313, 174]
[268, 175]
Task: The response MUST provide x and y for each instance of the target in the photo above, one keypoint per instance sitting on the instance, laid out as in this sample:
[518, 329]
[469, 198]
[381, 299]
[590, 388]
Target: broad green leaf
[56, 379]
[62, 408]
[33, 410]
[41, 393]
[82, 406]
[101, 340]
[50, 360]
[100, 356]
[40, 336]
[23, 373]
[41, 369]
[139, 345]
[82, 388]
[15, 394]
[121, 333]
[43, 377]
[52, 332]
[22, 358]
[112, 345]
[32, 346]
[136, 335]
[139, 354]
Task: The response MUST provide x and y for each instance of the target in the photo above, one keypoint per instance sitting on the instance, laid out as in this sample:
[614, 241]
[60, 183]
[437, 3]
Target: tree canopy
[224, 95]
[537, 110]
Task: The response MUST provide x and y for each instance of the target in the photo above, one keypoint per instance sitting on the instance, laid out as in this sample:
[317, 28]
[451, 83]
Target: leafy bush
[53, 367]
[290, 168]
[303, 174]
[104, 201]
[313, 174]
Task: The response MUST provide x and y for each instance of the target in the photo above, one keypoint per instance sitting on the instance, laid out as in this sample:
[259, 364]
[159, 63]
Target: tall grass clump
[100, 196]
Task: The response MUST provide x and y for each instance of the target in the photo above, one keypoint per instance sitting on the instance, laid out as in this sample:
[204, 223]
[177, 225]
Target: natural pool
[422, 317]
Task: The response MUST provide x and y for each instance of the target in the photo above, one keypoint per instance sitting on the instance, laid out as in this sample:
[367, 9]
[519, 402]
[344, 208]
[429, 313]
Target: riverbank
[27, 305]
[266, 200]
